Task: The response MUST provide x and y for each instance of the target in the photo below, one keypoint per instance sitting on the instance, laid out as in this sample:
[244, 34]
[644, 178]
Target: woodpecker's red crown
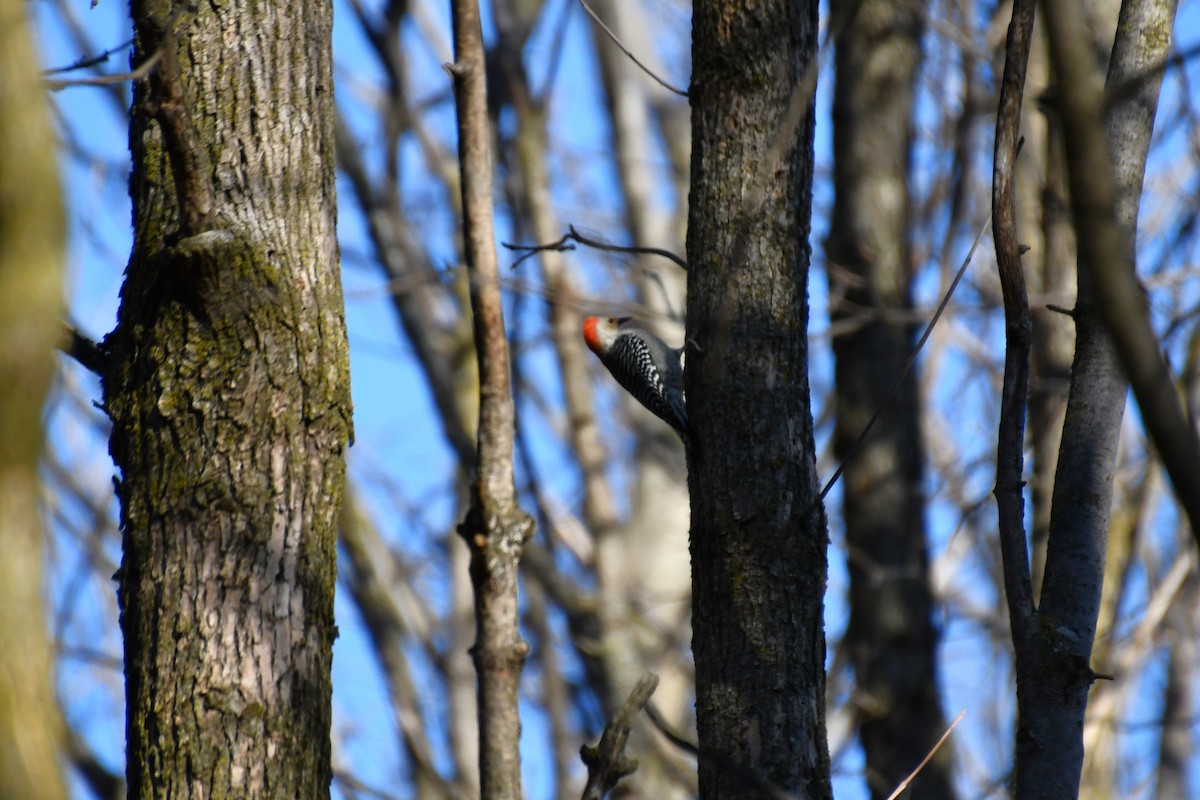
[600, 332]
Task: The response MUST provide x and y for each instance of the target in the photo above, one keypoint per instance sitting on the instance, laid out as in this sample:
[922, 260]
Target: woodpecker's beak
[623, 320]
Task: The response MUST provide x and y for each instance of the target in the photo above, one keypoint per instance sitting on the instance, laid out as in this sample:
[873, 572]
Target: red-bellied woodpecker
[645, 366]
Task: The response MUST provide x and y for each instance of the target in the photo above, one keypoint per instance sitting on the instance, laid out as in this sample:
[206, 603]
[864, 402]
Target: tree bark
[1054, 642]
[890, 637]
[758, 528]
[495, 528]
[32, 233]
[1106, 178]
[229, 392]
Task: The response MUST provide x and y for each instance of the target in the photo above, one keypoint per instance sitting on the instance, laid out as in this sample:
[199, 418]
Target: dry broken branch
[605, 760]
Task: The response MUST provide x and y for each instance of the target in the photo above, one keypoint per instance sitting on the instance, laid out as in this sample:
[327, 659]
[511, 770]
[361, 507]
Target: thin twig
[912, 359]
[1010, 438]
[626, 51]
[616, 248]
[531, 250]
[86, 61]
[904, 783]
[143, 70]
[606, 761]
[574, 235]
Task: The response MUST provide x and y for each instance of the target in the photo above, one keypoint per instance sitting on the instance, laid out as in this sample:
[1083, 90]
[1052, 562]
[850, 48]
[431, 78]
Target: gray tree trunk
[1053, 658]
[228, 387]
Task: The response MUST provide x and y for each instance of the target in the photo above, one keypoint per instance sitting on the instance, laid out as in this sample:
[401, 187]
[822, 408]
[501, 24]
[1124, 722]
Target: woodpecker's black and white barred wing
[632, 364]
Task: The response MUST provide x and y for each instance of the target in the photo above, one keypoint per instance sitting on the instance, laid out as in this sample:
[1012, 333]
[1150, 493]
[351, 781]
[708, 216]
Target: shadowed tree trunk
[32, 231]
[229, 393]
[891, 638]
[758, 529]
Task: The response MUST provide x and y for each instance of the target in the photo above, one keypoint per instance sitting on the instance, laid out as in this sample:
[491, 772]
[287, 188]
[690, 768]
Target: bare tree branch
[605, 760]
[143, 69]
[1009, 489]
[103, 782]
[912, 359]
[495, 528]
[608, 32]
[1105, 248]
[574, 235]
[904, 783]
[87, 352]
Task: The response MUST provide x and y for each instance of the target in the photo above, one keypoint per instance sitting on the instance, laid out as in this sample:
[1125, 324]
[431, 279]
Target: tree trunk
[229, 391]
[890, 637]
[758, 528]
[1053, 657]
[32, 232]
[495, 528]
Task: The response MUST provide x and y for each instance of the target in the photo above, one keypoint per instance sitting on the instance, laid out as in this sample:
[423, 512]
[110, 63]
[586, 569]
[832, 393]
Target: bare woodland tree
[758, 528]
[225, 379]
[1053, 633]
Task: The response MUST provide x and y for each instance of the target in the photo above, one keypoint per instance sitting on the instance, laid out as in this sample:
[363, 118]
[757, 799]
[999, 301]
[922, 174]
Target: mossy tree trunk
[758, 536]
[227, 383]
